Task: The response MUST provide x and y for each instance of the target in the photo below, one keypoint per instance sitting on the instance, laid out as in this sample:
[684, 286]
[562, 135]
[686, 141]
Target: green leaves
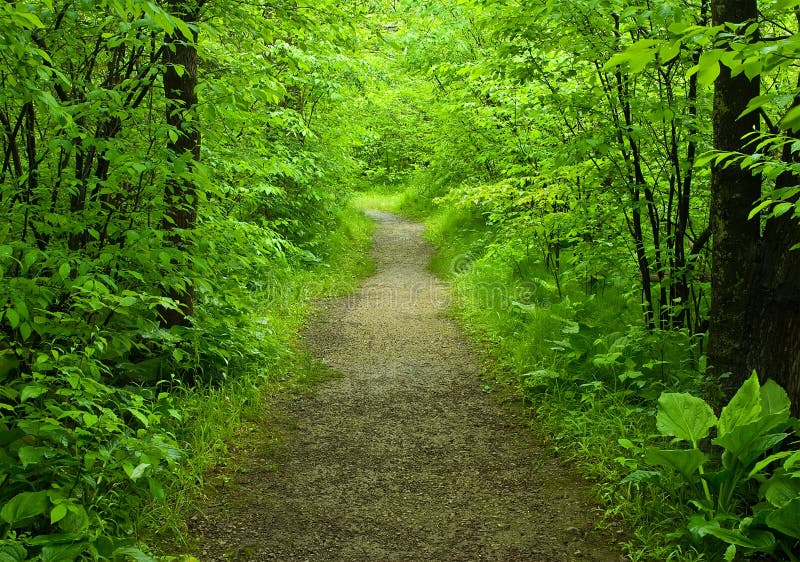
[749, 426]
[29, 455]
[32, 391]
[684, 417]
[12, 317]
[786, 519]
[708, 67]
[752, 422]
[780, 489]
[637, 56]
[23, 508]
[13, 553]
[26, 20]
[90, 262]
[744, 407]
[58, 513]
[685, 461]
[791, 120]
[762, 541]
[64, 412]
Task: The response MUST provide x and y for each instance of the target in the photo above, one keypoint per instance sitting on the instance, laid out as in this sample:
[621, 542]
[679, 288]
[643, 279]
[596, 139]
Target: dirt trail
[403, 456]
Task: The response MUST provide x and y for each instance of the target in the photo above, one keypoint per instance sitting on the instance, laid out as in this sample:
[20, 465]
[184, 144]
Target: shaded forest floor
[403, 453]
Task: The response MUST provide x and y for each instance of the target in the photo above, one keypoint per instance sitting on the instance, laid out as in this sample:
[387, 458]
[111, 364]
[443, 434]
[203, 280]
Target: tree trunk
[775, 305]
[755, 300]
[733, 193]
[775, 308]
[180, 196]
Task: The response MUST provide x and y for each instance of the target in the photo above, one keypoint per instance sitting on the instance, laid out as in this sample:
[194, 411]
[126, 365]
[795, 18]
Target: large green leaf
[793, 462]
[684, 416]
[8, 436]
[135, 553]
[755, 539]
[751, 423]
[748, 442]
[29, 455]
[791, 120]
[62, 552]
[13, 553]
[786, 519]
[23, 507]
[774, 398]
[743, 408]
[685, 461]
[764, 463]
[780, 489]
[699, 526]
[32, 391]
[54, 538]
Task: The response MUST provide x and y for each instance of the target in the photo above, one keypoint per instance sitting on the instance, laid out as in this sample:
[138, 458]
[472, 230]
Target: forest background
[611, 187]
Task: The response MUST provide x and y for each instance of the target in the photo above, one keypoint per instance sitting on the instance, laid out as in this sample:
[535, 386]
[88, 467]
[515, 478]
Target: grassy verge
[579, 360]
[216, 417]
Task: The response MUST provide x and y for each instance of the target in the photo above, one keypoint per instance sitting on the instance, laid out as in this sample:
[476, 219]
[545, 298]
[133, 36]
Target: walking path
[403, 457]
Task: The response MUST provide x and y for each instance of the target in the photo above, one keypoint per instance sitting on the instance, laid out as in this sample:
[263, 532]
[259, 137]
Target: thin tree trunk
[180, 196]
[680, 287]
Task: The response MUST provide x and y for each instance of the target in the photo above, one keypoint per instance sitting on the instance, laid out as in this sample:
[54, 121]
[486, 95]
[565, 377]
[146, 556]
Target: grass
[410, 196]
[386, 202]
[216, 417]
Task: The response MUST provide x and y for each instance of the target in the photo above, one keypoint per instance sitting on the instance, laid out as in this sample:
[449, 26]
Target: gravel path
[403, 456]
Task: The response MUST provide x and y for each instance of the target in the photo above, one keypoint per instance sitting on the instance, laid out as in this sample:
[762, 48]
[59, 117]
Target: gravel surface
[404, 455]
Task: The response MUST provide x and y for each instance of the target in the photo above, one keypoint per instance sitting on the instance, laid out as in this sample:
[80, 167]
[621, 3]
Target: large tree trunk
[180, 196]
[733, 192]
[775, 309]
[755, 300]
[775, 305]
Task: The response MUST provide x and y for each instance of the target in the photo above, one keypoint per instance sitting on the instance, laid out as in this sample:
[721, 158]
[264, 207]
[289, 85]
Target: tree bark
[733, 193]
[775, 304]
[180, 195]
[755, 300]
[775, 309]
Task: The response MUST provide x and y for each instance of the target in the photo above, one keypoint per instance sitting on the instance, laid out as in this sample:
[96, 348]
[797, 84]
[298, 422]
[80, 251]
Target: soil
[407, 454]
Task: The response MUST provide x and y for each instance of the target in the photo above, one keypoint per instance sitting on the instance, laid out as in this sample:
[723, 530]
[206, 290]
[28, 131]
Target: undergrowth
[102, 457]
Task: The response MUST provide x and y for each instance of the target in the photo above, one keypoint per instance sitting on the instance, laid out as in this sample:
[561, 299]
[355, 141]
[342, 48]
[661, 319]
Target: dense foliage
[169, 170]
[612, 187]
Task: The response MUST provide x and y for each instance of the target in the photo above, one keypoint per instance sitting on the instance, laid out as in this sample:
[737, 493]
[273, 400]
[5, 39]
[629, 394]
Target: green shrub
[744, 487]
